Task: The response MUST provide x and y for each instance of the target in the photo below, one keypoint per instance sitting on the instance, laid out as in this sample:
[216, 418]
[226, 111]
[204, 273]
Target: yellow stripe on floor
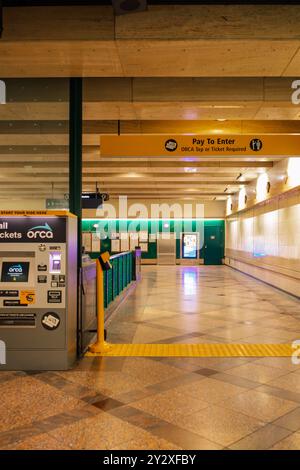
[197, 350]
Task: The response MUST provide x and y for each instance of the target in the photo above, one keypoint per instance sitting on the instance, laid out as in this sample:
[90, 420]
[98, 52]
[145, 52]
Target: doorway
[213, 244]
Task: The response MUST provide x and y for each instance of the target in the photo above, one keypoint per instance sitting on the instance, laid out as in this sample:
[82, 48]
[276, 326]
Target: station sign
[189, 145]
[32, 229]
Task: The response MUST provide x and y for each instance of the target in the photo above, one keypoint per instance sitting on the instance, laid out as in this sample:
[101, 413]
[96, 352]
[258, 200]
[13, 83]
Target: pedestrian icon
[256, 145]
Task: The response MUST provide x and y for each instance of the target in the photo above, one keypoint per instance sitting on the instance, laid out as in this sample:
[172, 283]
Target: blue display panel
[189, 245]
[15, 271]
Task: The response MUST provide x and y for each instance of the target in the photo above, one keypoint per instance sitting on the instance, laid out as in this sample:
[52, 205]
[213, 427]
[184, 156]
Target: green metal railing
[119, 277]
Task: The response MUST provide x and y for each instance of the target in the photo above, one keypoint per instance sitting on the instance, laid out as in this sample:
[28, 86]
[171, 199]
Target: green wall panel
[154, 226]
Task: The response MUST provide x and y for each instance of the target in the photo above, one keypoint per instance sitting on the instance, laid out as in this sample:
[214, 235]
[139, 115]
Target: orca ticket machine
[38, 289]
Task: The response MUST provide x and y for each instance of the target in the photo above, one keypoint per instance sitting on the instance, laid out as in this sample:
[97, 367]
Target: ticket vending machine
[38, 289]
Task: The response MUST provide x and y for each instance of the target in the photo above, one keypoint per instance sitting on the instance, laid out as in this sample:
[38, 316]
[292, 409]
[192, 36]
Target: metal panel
[166, 248]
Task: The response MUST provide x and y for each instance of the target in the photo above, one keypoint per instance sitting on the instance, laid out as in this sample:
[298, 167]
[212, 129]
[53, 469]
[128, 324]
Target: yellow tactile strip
[198, 350]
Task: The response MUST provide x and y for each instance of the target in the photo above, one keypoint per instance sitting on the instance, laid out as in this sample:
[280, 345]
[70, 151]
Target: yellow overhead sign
[199, 145]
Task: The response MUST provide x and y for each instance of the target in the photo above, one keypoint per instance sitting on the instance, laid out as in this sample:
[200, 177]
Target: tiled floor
[211, 304]
[170, 403]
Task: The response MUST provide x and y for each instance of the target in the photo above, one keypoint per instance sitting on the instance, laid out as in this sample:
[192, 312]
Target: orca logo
[40, 231]
[171, 145]
[16, 269]
[2, 352]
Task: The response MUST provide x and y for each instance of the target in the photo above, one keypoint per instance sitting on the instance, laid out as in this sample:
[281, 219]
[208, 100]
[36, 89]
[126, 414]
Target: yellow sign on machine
[199, 145]
[27, 297]
[30, 213]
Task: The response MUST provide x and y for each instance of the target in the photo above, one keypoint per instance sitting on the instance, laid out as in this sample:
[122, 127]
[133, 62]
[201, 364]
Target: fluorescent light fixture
[242, 195]
[190, 170]
[229, 205]
[293, 171]
[261, 187]
[132, 174]
[228, 106]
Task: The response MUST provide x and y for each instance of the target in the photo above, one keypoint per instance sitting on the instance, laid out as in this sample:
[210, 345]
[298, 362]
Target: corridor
[169, 403]
[207, 304]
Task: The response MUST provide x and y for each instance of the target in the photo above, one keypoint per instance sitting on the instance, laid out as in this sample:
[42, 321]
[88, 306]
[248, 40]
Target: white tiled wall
[273, 233]
[265, 242]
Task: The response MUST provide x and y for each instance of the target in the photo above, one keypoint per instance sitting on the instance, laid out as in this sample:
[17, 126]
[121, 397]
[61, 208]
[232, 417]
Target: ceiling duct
[123, 7]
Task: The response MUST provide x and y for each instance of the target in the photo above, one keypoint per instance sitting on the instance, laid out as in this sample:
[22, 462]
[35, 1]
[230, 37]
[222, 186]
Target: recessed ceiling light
[221, 119]
[227, 106]
[131, 174]
[190, 169]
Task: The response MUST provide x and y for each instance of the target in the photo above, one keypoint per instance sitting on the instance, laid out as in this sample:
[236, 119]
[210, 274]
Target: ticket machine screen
[15, 271]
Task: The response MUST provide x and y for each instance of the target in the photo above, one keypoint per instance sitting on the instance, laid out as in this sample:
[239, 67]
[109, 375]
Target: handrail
[118, 255]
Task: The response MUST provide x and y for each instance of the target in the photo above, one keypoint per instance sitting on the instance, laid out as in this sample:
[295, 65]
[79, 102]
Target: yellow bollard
[101, 346]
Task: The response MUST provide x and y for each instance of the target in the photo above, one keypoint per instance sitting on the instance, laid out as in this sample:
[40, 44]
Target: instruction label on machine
[50, 321]
[54, 297]
[27, 297]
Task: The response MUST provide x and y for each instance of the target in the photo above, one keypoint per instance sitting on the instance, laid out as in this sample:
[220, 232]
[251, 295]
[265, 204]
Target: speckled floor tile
[289, 382]
[147, 443]
[291, 442]
[107, 383]
[103, 431]
[210, 390]
[284, 363]
[257, 373]
[259, 405]
[40, 442]
[262, 439]
[25, 400]
[219, 424]
[170, 404]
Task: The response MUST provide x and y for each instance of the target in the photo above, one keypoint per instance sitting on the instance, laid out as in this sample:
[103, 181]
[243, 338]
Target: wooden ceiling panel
[190, 41]
[59, 59]
[195, 111]
[34, 111]
[278, 112]
[293, 67]
[197, 89]
[209, 21]
[202, 58]
[58, 22]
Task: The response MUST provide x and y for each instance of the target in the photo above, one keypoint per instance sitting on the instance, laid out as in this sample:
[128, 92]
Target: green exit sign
[57, 204]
